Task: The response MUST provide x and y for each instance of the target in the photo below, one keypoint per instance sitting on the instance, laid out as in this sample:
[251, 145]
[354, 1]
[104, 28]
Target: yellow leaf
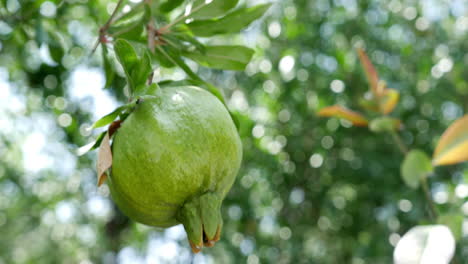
[389, 100]
[341, 112]
[453, 144]
[104, 161]
[371, 73]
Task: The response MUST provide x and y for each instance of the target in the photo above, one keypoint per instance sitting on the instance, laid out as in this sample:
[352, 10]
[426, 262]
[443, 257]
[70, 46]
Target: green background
[311, 190]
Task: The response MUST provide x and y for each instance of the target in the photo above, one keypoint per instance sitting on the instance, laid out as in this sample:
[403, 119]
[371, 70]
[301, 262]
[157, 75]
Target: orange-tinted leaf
[381, 87]
[389, 100]
[453, 144]
[341, 112]
[371, 73]
[104, 161]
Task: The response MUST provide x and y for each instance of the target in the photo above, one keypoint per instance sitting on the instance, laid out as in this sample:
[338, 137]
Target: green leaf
[171, 83]
[222, 57]
[163, 60]
[454, 221]
[213, 9]
[109, 118]
[195, 79]
[384, 124]
[56, 53]
[56, 46]
[140, 74]
[151, 89]
[215, 91]
[170, 5]
[416, 167]
[131, 25]
[135, 14]
[174, 57]
[235, 119]
[370, 105]
[91, 146]
[127, 57]
[108, 69]
[146, 90]
[136, 70]
[184, 37]
[231, 23]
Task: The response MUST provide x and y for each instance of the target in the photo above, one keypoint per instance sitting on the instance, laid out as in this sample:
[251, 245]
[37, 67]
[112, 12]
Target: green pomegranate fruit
[175, 157]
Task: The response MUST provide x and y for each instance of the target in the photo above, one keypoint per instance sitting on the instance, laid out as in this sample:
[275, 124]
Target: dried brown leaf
[104, 161]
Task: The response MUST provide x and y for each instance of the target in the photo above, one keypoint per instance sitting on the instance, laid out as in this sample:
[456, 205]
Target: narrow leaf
[371, 73]
[104, 161]
[222, 57]
[109, 118]
[108, 69]
[159, 56]
[425, 244]
[135, 14]
[416, 166]
[195, 79]
[231, 23]
[56, 46]
[389, 100]
[186, 38]
[341, 112]
[453, 144]
[206, 9]
[235, 119]
[90, 146]
[131, 25]
[174, 58]
[170, 5]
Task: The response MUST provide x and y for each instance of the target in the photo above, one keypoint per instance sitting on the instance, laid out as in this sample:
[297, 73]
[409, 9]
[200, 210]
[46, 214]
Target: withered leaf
[104, 161]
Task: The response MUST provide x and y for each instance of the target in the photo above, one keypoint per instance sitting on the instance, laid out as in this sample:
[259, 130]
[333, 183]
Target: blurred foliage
[311, 190]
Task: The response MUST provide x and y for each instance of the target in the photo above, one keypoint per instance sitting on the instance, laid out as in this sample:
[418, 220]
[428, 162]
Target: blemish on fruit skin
[177, 98]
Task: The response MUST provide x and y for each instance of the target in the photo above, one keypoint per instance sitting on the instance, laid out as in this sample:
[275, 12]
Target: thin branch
[62, 2]
[109, 21]
[125, 30]
[396, 137]
[151, 36]
[152, 32]
[117, 17]
[103, 29]
[425, 185]
[427, 193]
[166, 55]
[172, 44]
[167, 27]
